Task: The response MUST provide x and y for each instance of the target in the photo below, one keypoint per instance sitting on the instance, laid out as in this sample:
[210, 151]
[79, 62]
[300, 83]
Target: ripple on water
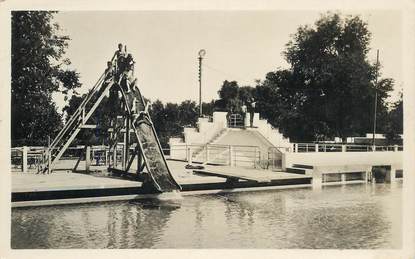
[353, 216]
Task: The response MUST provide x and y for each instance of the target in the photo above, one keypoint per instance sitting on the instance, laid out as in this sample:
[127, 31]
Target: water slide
[142, 125]
[152, 153]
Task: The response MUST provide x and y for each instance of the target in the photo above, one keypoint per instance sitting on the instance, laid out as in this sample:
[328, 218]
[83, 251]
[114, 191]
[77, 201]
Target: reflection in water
[111, 227]
[31, 231]
[353, 216]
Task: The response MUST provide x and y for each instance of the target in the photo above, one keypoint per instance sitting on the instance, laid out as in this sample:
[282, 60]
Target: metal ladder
[71, 129]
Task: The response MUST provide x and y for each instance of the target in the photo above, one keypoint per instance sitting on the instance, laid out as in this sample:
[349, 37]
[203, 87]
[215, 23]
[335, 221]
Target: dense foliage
[232, 97]
[394, 123]
[38, 70]
[169, 119]
[329, 89]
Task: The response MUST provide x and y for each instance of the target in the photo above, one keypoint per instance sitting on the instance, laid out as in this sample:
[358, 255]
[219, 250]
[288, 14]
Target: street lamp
[201, 53]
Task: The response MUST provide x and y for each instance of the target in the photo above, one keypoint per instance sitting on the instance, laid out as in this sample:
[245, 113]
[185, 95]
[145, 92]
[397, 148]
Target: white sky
[240, 45]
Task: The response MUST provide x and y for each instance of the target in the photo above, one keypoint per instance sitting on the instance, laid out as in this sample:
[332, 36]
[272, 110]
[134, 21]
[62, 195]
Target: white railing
[328, 147]
[24, 158]
[231, 155]
[236, 121]
[30, 158]
[275, 155]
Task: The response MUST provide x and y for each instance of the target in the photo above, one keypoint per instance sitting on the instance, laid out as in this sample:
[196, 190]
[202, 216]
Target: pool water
[358, 216]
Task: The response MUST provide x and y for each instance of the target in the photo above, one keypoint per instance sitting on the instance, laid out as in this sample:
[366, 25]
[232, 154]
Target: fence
[23, 158]
[275, 157]
[31, 158]
[27, 158]
[236, 121]
[312, 147]
[232, 155]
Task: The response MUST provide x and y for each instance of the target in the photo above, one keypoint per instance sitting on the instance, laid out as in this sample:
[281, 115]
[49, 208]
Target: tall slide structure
[133, 123]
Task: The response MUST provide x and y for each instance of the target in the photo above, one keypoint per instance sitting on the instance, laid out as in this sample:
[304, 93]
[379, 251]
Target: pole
[200, 86]
[127, 142]
[49, 156]
[125, 147]
[24, 159]
[376, 101]
[87, 158]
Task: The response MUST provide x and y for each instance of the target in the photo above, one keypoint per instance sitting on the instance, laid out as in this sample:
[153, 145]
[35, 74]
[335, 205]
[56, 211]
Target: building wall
[205, 130]
[342, 158]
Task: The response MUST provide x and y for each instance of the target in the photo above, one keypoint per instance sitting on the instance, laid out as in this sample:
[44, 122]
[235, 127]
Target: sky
[240, 45]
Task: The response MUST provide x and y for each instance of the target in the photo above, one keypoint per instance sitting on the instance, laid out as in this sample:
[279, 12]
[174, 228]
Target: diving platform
[66, 187]
[246, 174]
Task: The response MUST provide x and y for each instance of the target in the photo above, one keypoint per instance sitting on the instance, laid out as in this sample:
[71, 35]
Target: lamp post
[201, 53]
[376, 102]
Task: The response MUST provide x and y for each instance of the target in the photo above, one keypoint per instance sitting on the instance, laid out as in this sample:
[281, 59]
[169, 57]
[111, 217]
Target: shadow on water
[134, 224]
[143, 222]
[154, 203]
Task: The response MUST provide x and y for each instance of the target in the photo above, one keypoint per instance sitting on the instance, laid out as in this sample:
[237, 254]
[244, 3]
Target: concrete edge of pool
[68, 201]
[30, 190]
[129, 197]
[72, 196]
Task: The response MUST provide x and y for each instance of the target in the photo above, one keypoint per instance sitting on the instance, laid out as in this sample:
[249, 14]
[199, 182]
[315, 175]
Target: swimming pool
[350, 216]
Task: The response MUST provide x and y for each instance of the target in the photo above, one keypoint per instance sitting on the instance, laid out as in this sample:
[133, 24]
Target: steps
[199, 151]
[244, 138]
[71, 129]
[160, 178]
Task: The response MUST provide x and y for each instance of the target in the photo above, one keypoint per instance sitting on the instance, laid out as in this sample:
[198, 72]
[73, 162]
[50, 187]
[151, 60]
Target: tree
[394, 126]
[329, 88]
[231, 96]
[208, 108]
[101, 117]
[188, 113]
[38, 70]
[246, 93]
[228, 95]
[279, 99]
[169, 119]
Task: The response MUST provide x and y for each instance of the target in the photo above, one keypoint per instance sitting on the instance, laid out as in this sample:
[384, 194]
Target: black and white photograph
[208, 128]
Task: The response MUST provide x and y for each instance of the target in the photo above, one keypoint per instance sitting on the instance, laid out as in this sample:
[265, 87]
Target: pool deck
[64, 186]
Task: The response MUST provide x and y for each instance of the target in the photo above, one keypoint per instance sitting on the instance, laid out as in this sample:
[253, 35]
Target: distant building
[380, 139]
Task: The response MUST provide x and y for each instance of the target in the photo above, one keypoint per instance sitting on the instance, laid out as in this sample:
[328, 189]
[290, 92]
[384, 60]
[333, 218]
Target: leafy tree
[232, 96]
[278, 100]
[38, 70]
[207, 108]
[171, 116]
[188, 113]
[329, 88]
[228, 95]
[170, 119]
[394, 126]
[101, 117]
[246, 93]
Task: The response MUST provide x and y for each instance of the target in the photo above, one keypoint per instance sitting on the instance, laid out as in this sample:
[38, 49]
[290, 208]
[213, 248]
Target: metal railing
[236, 120]
[329, 147]
[231, 155]
[275, 157]
[27, 157]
